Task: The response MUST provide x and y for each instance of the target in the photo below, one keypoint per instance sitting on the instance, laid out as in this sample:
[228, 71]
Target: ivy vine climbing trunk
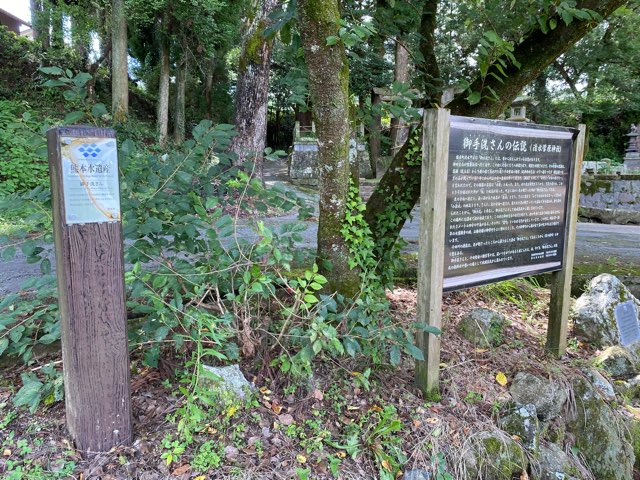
[119, 70]
[329, 89]
[252, 88]
[397, 192]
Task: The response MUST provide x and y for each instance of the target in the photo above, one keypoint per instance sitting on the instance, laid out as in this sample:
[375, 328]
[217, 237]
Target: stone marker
[626, 315]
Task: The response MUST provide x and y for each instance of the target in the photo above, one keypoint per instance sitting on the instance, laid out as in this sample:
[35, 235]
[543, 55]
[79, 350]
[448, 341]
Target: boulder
[523, 422]
[618, 362]
[600, 436]
[593, 313]
[226, 379]
[546, 395]
[483, 327]
[553, 464]
[494, 456]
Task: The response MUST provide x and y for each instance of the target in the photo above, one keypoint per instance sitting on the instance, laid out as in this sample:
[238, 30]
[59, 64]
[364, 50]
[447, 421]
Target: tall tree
[496, 79]
[329, 89]
[119, 70]
[163, 93]
[181, 85]
[252, 88]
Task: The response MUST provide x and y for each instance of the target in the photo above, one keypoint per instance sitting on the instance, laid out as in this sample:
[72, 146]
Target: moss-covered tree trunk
[163, 94]
[181, 87]
[252, 88]
[329, 89]
[119, 70]
[399, 189]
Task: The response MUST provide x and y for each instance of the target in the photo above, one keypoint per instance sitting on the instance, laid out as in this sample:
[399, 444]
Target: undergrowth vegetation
[208, 281]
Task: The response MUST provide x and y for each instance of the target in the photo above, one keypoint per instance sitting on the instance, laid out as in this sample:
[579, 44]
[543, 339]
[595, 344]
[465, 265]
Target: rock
[600, 436]
[593, 315]
[524, 423]
[495, 456]
[416, 475]
[553, 464]
[634, 432]
[231, 452]
[483, 327]
[602, 384]
[231, 380]
[615, 216]
[618, 362]
[547, 396]
[629, 389]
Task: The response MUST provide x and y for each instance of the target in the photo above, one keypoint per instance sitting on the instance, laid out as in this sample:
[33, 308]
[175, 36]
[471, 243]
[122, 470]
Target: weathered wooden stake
[561, 280]
[433, 200]
[90, 268]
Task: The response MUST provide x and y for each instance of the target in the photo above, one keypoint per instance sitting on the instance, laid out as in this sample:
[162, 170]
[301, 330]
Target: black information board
[506, 200]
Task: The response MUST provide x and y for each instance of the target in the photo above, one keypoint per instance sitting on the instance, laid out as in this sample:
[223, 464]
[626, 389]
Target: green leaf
[310, 298]
[73, 117]
[415, 352]
[332, 40]
[51, 70]
[54, 83]
[98, 110]
[45, 266]
[394, 355]
[474, 98]
[4, 343]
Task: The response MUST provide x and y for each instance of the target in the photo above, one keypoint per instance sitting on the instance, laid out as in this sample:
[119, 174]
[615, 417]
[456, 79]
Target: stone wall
[611, 192]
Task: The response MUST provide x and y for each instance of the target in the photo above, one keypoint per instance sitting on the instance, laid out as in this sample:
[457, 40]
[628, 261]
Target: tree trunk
[208, 86]
[57, 27]
[375, 131]
[399, 189]
[329, 89]
[37, 23]
[252, 89]
[181, 85]
[163, 94]
[119, 70]
[399, 128]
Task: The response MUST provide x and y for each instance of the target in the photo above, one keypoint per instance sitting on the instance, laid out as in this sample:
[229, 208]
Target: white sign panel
[90, 179]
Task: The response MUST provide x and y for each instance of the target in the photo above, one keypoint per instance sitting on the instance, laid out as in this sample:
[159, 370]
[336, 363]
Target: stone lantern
[632, 155]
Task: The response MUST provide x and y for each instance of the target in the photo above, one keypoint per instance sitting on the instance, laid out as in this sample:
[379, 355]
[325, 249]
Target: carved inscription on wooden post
[83, 166]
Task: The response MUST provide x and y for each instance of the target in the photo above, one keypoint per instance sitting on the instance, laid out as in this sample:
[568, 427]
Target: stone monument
[632, 155]
[303, 159]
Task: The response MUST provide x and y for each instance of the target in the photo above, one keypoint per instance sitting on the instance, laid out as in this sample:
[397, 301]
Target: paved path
[596, 243]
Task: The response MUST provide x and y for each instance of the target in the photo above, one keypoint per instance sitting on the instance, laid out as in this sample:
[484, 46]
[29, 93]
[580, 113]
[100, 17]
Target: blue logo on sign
[89, 150]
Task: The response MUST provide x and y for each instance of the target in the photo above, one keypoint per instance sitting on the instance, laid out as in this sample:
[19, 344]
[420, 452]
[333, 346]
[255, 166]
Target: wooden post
[90, 267]
[561, 280]
[433, 198]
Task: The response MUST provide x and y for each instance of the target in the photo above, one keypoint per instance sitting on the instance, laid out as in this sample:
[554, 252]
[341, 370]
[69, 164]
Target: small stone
[483, 327]
[417, 474]
[231, 380]
[553, 464]
[618, 362]
[230, 452]
[546, 395]
[285, 419]
[524, 423]
[602, 384]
